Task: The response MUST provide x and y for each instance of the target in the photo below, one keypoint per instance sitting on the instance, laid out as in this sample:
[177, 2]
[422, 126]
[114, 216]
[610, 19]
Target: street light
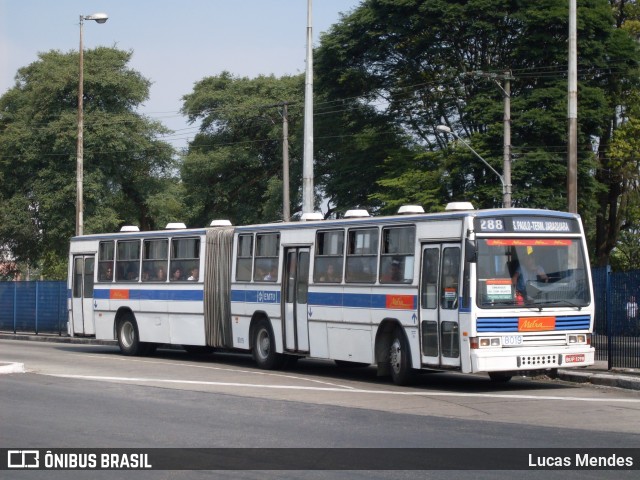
[99, 18]
[445, 129]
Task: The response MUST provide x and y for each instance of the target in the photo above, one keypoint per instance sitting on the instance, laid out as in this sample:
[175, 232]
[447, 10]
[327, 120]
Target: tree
[125, 164]
[418, 62]
[233, 167]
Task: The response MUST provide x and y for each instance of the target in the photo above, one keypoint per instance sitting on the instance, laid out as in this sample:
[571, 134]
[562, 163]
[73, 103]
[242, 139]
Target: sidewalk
[596, 374]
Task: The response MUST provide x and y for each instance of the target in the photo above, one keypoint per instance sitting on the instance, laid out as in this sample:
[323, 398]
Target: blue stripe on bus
[355, 300]
[328, 299]
[177, 295]
[255, 296]
[510, 324]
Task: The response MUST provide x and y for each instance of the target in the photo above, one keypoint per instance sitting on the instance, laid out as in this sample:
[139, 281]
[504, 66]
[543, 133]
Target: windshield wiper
[560, 303]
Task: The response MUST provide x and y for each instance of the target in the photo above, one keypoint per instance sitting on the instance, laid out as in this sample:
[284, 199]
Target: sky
[175, 43]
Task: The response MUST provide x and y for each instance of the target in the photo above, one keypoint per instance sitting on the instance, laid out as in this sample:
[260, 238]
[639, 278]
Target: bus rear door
[82, 295]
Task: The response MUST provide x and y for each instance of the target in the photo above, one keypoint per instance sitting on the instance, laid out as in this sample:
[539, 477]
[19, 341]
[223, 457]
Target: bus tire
[264, 347]
[128, 337]
[499, 377]
[400, 359]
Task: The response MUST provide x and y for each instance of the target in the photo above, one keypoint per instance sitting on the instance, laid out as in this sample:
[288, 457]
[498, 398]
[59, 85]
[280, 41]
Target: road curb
[612, 379]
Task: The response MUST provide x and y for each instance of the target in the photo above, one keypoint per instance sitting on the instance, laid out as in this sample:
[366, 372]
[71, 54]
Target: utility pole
[286, 214]
[506, 156]
[307, 165]
[572, 113]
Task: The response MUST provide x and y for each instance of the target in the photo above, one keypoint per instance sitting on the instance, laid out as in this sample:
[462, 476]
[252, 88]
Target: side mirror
[470, 253]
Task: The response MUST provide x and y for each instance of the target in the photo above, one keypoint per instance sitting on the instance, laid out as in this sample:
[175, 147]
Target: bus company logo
[536, 324]
[118, 294]
[23, 459]
[267, 297]
[402, 302]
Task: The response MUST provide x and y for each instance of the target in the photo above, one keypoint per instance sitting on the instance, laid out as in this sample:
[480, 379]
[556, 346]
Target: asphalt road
[85, 396]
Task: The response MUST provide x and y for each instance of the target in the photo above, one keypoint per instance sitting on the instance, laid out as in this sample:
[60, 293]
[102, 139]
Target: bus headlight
[578, 338]
[485, 342]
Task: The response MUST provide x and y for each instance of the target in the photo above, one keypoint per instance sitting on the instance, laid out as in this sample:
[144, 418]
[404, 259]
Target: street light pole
[445, 129]
[506, 157]
[99, 18]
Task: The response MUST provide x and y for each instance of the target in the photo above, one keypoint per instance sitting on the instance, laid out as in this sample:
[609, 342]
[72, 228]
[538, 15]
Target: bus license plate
[510, 340]
[578, 358]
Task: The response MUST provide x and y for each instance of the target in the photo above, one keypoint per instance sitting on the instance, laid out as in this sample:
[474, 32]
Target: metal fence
[617, 328]
[33, 307]
[41, 307]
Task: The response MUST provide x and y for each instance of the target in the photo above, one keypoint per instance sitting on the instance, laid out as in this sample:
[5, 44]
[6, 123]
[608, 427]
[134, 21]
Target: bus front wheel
[400, 359]
[264, 347]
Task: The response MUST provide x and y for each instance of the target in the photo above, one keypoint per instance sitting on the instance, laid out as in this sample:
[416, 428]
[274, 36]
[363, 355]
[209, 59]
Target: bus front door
[295, 287]
[439, 298]
[82, 295]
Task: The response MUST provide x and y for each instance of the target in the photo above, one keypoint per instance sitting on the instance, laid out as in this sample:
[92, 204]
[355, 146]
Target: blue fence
[33, 307]
[41, 307]
[617, 328]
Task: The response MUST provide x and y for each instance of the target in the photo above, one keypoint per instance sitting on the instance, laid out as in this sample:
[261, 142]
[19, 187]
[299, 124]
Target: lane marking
[342, 390]
[222, 369]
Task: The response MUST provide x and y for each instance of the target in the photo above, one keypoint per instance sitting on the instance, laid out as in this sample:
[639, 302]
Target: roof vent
[459, 206]
[356, 214]
[220, 223]
[175, 226]
[129, 228]
[310, 216]
[410, 209]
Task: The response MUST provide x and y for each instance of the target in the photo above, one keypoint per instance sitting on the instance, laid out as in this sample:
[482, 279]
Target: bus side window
[329, 257]
[362, 255]
[185, 256]
[397, 256]
[266, 258]
[105, 261]
[128, 261]
[154, 260]
[244, 258]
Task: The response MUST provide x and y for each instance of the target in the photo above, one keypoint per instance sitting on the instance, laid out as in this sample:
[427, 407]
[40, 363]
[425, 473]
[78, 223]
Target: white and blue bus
[504, 291]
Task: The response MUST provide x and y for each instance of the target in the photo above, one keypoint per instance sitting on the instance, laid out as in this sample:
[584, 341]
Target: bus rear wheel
[129, 338]
[400, 359]
[264, 347]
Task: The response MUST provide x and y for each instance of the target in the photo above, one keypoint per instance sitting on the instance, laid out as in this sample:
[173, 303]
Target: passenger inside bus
[161, 275]
[107, 274]
[393, 272]
[330, 275]
[528, 271]
[177, 275]
[194, 275]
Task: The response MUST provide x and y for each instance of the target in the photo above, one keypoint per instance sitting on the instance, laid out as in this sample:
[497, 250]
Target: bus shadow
[367, 376]
[361, 376]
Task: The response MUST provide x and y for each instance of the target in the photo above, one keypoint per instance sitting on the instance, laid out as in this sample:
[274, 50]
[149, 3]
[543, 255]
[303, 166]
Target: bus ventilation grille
[538, 361]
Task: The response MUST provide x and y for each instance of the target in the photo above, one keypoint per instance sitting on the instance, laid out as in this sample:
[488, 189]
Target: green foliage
[421, 63]
[125, 164]
[233, 168]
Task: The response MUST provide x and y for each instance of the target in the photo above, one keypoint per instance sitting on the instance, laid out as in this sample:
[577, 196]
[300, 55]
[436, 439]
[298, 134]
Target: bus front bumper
[530, 359]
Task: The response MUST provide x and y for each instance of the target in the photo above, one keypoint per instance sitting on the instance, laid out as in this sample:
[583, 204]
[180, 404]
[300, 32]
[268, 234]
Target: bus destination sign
[529, 224]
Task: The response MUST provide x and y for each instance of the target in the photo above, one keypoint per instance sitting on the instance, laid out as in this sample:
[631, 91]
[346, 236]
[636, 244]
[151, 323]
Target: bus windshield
[534, 272]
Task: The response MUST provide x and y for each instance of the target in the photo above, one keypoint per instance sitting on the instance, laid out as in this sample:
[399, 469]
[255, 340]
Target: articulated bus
[503, 291]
